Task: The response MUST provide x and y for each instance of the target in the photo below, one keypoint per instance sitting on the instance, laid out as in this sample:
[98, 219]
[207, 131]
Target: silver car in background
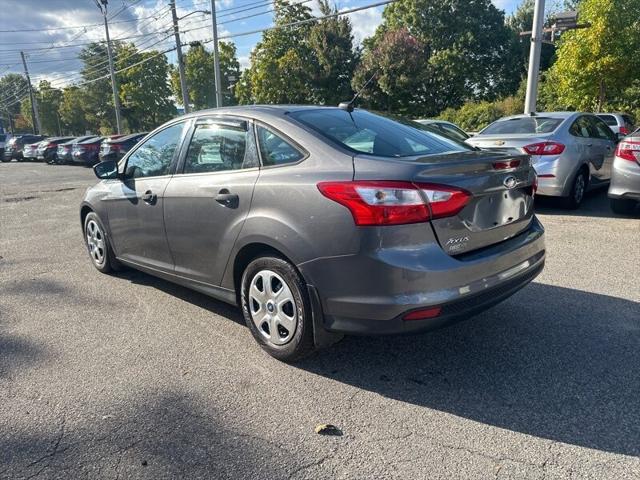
[624, 190]
[571, 152]
[620, 123]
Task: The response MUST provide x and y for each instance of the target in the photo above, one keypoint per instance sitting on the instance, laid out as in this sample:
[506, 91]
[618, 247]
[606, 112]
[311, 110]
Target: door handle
[224, 197]
[149, 197]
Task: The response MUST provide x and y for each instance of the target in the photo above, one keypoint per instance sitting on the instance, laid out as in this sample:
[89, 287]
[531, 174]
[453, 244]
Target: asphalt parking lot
[128, 376]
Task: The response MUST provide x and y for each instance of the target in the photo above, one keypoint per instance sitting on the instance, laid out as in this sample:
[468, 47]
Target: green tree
[48, 99]
[12, 88]
[595, 65]
[332, 43]
[280, 70]
[144, 89]
[72, 111]
[392, 69]
[98, 98]
[200, 74]
[468, 52]
[522, 21]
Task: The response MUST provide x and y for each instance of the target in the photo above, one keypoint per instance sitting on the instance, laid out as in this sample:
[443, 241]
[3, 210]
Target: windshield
[608, 119]
[365, 132]
[523, 125]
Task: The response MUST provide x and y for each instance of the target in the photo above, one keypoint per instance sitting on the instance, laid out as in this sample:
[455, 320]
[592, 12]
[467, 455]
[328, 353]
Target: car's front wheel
[276, 308]
[623, 206]
[97, 244]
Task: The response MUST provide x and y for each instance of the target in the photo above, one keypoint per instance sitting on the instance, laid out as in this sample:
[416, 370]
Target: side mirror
[106, 170]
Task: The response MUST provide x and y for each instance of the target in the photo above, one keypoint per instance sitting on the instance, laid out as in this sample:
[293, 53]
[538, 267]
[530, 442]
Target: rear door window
[275, 150]
[609, 120]
[601, 129]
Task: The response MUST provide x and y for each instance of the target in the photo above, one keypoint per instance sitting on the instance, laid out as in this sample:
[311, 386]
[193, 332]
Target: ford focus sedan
[319, 221]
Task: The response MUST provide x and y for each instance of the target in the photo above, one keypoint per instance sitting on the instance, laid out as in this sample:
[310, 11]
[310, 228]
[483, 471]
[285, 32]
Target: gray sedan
[571, 151]
[624, 191]
[319, 221]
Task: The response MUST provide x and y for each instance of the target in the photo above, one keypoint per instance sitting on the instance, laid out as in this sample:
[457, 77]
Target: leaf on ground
[328, 429]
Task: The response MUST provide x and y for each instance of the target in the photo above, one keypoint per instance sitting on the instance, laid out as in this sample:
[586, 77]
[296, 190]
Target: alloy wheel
[272, 307]
[95, 242]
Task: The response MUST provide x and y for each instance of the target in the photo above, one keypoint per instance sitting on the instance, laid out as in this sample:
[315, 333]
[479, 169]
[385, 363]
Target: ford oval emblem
[510, 182]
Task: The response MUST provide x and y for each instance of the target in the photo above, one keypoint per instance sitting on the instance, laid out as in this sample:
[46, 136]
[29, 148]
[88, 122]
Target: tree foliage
[467, 53]
[308, 63]
[48, 99]
[597, 66]
[200, 75]
[144, 89]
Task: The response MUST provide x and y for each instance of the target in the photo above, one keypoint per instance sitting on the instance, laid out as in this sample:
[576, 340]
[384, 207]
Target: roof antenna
[348, 106]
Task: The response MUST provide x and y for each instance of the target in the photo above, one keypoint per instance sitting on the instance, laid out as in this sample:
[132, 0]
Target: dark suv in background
[115, 148]
[13, 148]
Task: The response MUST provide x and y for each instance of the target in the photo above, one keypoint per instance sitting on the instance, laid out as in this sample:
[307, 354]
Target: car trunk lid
[500, 188]
[512, 144]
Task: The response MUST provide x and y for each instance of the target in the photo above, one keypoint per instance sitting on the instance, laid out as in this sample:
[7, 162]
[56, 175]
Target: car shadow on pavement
[595, 204]
[195, 298]
[552, 362]
[152, 434]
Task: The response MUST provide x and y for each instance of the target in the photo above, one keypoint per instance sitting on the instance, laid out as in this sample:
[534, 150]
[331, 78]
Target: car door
[208, 199]
[581, 131]
[604, 142]
[135, 203]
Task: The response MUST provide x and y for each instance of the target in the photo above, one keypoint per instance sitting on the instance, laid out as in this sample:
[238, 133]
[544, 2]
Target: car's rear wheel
[623, 206]
[98, 245]
[5, 160]
[578, 189]
[276, 308]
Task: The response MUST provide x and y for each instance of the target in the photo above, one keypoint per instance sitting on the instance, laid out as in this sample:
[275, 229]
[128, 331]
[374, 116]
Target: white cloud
[365, 23]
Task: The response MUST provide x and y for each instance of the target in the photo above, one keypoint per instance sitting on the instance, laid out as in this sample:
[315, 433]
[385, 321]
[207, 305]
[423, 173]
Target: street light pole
[102, 5]
[183, 78]
[534, 58]
[216, 56]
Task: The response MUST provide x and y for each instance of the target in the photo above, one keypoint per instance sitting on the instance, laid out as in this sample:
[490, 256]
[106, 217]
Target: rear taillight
[628, 151]
[395, 203]
[624, 131]
[51, 145]
[506, 165]
[544, 148]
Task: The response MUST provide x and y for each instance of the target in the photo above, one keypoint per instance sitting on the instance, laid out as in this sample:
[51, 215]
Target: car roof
[124, 138]
[93, 139]
[562, 115]
[257, 111]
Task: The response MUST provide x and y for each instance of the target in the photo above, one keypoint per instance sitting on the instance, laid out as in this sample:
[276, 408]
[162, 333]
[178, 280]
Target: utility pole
[35, 118]
[102, 5]
[216, 56]
[183, 78]
[534, 58]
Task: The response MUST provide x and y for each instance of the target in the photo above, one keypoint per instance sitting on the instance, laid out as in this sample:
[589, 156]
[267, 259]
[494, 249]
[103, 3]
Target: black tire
[576, 196]
[300, 344]
[5, 160]
[623, 206]
[107, 263]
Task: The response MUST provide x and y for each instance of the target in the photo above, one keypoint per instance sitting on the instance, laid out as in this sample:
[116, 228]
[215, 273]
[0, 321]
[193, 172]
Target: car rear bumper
[370, 294]
[625, 180]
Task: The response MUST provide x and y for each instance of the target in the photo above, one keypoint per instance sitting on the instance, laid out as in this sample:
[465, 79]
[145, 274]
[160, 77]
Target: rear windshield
[523, 125]
[608, 119]
[365, 132]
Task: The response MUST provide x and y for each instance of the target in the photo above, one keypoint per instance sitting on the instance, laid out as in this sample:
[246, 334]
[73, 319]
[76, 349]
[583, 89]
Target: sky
[145, 22]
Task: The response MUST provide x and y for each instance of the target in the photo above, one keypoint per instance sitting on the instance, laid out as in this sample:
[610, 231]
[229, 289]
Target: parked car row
[86, 150]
